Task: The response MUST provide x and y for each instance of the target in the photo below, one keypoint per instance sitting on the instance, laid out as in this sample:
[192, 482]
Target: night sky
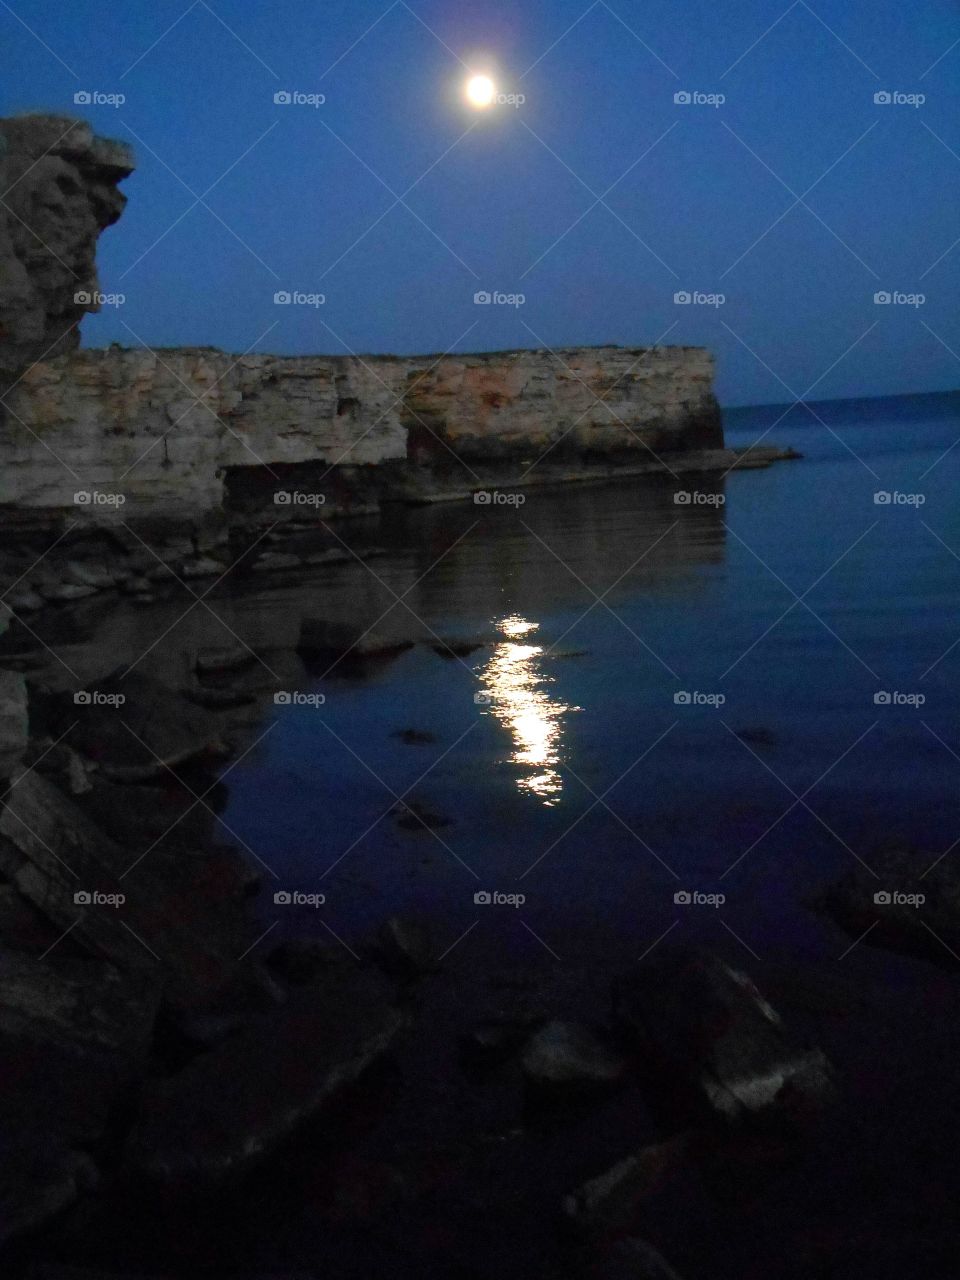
[597, 198]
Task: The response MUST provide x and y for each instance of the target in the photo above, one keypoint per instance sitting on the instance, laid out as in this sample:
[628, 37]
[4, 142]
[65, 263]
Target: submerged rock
[704, 1026]
[234, 1105]
[909, 902]
[568, 1055]
[319, 637]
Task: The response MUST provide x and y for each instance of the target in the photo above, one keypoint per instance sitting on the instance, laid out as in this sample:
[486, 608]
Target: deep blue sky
[596, 101]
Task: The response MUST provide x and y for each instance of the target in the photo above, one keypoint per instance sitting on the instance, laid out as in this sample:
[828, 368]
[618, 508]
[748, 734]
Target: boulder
[231, 1107]
[633, 1260]
[405, 946]
[568, 1055]
[609, 1202]
[137, 729]
[38, 1180]
[321, 638]
[14, 728]
[703, 1027]
[215, 661]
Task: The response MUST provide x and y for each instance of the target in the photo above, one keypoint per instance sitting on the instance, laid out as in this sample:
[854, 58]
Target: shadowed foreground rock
[703, 1025]
[231, 1107]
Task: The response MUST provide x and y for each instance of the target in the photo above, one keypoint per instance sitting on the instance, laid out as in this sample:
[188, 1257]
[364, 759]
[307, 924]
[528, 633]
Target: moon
[481, 91]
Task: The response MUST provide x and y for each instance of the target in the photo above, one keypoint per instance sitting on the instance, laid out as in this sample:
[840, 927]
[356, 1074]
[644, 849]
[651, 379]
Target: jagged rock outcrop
[58, 190]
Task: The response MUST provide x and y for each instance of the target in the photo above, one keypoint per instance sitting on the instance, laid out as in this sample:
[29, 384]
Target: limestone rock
[232, 1106]
[703, 1025]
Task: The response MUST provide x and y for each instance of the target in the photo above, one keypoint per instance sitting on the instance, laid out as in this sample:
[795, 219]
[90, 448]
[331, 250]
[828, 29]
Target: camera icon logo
[281, 698]
[682, 498]
[882, 298]
[682, 98]
[82, 98]
[81, 498]
[82, 898]
[482, 699]
[882, 498]
[282, 898]
[882, 698]
[682, 298]
[882, 98]
[282, 298]
[482, 898]
[82, 698]
[882, 898]
[283, 98]
[682, 698]
[281, 498]
[682, 898]
[482, 298]
[482, 498]
[83, 298]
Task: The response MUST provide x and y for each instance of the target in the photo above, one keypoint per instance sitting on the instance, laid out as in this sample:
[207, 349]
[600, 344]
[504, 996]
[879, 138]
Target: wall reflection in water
[515, 687]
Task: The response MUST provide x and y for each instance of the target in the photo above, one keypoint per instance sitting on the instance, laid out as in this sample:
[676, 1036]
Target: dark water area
[582, 783]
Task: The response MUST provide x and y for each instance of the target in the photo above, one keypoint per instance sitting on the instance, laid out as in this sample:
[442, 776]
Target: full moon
[481, 91]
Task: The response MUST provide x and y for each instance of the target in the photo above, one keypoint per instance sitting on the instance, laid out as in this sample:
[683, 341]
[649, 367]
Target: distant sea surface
[591, 757]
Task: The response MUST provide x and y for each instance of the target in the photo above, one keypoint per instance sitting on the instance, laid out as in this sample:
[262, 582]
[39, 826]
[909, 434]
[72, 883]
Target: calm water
[581, 783]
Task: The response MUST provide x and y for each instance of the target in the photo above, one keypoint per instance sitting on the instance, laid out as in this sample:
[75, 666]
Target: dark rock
[703, 1025]
[608, 1203]
[494, 1039]
[458, 648]
[414, 737]
[568, 1055]
[38, 1180]
[633, 1260]
[13, 723]
[235, 658]
[405, 947]
[414, 816]
[215, 698]
[144, 736]
[231, 1107]
[319, 637]
[301, 961]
